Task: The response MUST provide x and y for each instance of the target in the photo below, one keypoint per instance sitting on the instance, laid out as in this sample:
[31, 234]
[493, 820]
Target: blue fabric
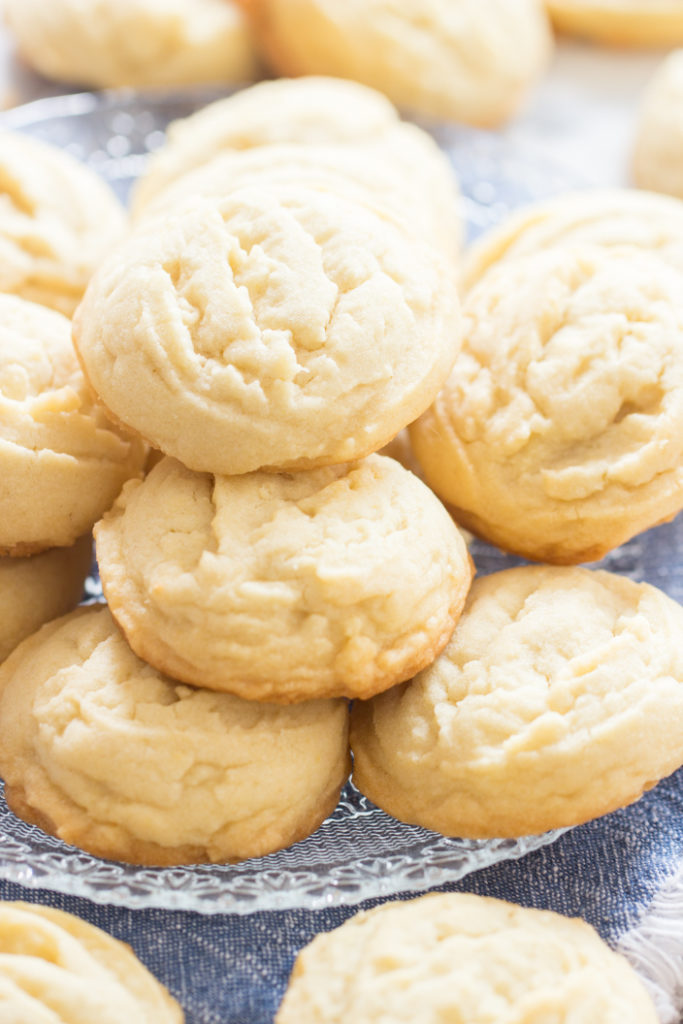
[233, 970]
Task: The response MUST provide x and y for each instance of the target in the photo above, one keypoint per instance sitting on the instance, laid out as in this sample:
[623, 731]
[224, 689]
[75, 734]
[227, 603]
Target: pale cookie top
[609, 218]
[559, 433]
[460, 957]
[56, 968]
[658, 153]
[559, 698]
[338, 581]
[62, 462]
[133, 42]
[57, 221]
[638, 23]
[130, 764]
[278, 326]
[469, 60]
[310, 110]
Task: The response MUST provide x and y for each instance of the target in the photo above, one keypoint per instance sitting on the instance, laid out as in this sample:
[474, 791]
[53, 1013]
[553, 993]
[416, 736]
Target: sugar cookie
[35, 590]
[559, 434]
[57, 221]
[275, 327]
[55, 967]
[461, 957]
[133, 42]
[558, 699]
[621, 22]
[62, 462]
[469, 60]
[658, 152]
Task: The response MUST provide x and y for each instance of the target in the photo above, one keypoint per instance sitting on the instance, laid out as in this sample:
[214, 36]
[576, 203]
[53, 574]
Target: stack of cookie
[268, 336]
[62, 462]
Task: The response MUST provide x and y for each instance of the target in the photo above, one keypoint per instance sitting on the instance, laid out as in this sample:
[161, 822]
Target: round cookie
[559, 433]
[461, 957]
[104, 752]
[35, 590]
[57, 221]
[339, 581]
[62, 462]
[621, 22]
[611, 219]
[275, 327]
[558, 699]
[658, 152]
[133, 42]
[466, 60]
[55, 967]
[313, 110]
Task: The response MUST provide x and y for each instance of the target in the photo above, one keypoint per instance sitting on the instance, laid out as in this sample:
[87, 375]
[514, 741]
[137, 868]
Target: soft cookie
[106, 753]
[279, 327]
[621, 22]
[62, 461]
[339, 581]
[559, 433]
[658, 153]
[558, 699]
[55, 967]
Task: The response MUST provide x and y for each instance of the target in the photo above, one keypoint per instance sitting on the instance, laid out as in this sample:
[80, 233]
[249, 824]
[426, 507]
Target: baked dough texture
[102, 751]
[133, 42]
[57, 221]
[621, 22]
[609, 218]
[469, 60]
[275, 327]
[558, 699]
[559, 434]
[35, 590]
[56, 968]
[313, 110]
[339, 581]
[62, 462]
[461, 957]
[658, 151]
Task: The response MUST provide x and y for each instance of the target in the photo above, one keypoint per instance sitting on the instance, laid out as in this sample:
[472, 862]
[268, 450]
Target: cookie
[658, 150]
[281, 327]
[53, 966]
[35, 590]
[469, 60]
[461, 957]
[133, 42]
[109, 755]
[559, 433]
[339, 581]
[611, 219]
[62, 462]
[57, 221]
[558, 699]
[621, 22]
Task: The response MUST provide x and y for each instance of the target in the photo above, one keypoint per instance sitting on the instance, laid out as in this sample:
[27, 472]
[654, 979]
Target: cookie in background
[141, 43]
[643, 23]
[658, 148]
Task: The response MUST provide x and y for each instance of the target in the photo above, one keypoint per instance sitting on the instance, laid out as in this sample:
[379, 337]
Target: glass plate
[359, 852]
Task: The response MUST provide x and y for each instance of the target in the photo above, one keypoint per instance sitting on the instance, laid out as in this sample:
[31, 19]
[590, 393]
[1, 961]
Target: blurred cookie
[62, 462]
[611, 219]
[621, 22]
[35, 590]
[461, 957]
[57, 221]
[658, 153]
[559, 433]
[280, 327]
[466, 60]
[133, 42]
[339, 581]
[102, 751]
[55, 967]
[558, 699]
